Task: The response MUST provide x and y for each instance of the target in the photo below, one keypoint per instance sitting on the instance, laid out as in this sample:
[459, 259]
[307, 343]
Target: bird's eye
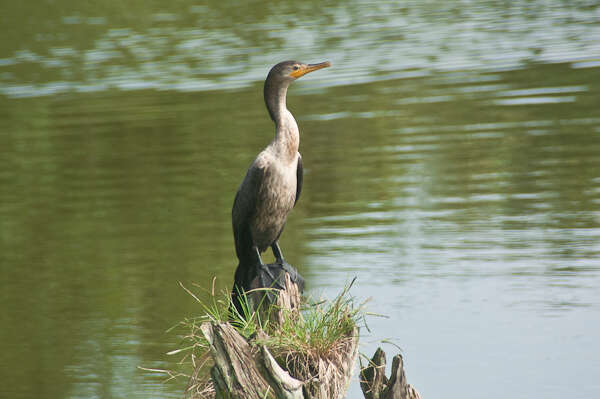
[296, 67]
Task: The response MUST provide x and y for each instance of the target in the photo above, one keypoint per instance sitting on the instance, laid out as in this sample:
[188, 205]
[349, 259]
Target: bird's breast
[275, 200]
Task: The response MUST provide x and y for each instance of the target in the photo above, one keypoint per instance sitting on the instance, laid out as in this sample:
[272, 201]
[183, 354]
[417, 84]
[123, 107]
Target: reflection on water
[451, 164]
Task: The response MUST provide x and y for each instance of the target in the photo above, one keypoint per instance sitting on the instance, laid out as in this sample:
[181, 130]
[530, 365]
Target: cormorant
[271, 186]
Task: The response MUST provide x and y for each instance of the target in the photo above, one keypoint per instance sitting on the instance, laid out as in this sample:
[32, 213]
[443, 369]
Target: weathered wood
[375, 385]
[232, 376]
[373, 379]
[288, 300]
[284, 386]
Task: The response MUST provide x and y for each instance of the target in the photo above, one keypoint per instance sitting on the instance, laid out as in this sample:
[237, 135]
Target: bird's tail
[244, 274]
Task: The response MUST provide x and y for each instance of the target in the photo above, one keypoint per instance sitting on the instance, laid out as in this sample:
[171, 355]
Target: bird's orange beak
[303, 70]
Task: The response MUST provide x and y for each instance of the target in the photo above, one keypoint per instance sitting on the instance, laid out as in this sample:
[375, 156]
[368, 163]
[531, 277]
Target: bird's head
[292, 70]
[280, 77]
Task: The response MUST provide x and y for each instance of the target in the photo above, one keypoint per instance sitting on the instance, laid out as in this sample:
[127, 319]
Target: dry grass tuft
[314, 345]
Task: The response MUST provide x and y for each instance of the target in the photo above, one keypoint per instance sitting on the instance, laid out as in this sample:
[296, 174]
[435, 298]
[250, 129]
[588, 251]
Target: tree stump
[375, 385]
[246, 369]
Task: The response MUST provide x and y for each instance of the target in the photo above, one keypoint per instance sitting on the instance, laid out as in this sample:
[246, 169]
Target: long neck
[287, 136]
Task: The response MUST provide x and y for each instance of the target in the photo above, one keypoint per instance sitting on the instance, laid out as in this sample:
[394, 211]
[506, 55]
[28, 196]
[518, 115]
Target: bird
[271, 186]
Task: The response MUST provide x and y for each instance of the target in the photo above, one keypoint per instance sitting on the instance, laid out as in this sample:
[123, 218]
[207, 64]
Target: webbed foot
[269, 276]
[291, 270]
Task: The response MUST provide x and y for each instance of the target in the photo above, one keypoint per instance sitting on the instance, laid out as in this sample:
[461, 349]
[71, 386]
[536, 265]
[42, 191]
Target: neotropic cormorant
[272, 184]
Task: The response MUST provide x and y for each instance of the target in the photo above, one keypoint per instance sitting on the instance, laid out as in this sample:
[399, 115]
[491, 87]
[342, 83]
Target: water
[451, 165]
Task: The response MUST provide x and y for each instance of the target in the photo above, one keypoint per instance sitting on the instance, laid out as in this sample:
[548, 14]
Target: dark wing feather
[299, 178]
[244, 208]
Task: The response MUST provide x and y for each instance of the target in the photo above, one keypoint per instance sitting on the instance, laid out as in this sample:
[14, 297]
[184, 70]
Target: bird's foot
[291, 270]
[269, 276]
[272, 275]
